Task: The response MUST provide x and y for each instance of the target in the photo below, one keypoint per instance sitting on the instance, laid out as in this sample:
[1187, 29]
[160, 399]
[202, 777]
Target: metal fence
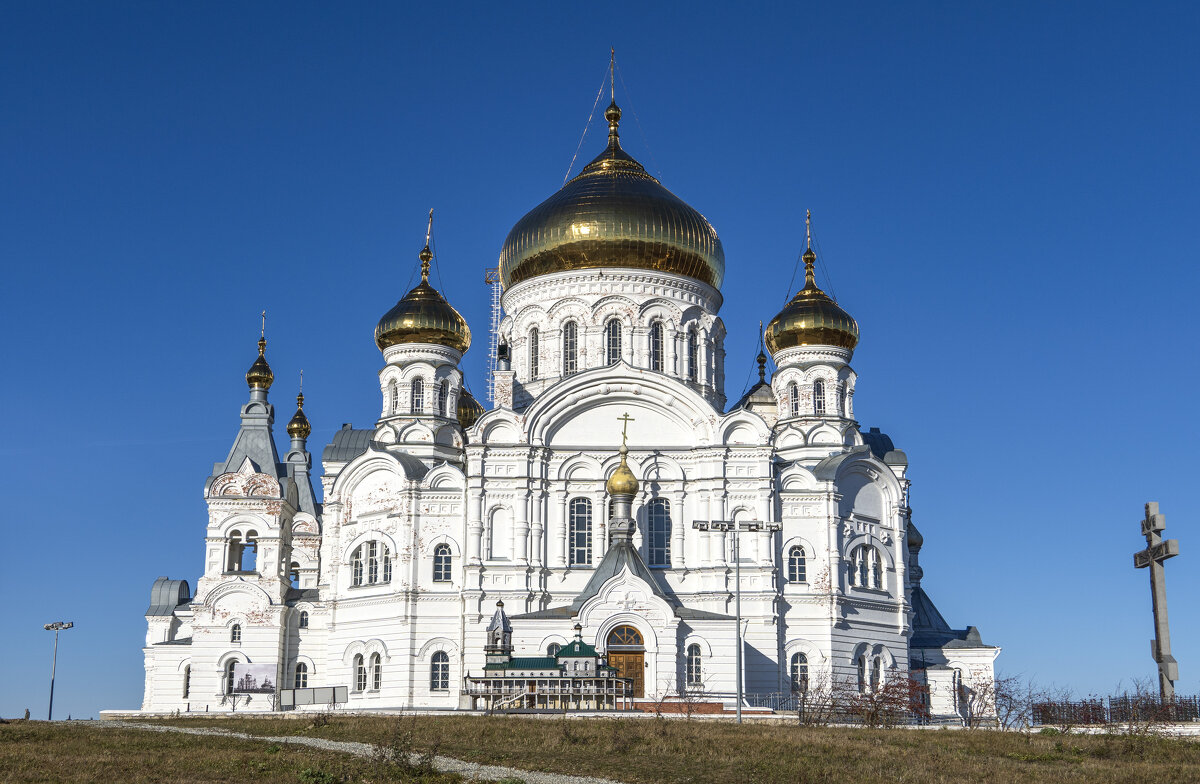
[1122, 709]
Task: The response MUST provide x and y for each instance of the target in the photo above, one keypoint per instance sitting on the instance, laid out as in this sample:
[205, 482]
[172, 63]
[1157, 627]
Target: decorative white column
[558, 526]
[678, 524]
[474, 526]
[521, 529]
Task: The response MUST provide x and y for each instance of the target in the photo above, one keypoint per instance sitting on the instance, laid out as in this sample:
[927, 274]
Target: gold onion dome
[259, 376]
[622, 481]
[299, 427]
[811, 318]
[469, 410]
[613, 214]
[423, 316]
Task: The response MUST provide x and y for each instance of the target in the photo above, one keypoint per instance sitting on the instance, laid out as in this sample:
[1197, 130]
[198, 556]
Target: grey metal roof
[413, 467]
[930, 629]
[880, 443]
[302, 595]
[621, 556]
[180, 641]
[759, 394]
[499, 620]
[347, 444]
[166, 595]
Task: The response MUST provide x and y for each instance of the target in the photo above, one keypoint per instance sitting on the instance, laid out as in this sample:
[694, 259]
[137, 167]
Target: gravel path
[472, 771]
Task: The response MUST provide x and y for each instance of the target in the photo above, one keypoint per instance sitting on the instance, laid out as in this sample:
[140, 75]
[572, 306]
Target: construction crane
[491, 276]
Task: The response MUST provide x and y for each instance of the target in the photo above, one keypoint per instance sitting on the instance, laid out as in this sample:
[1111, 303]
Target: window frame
[612, 341]
[798, 671]
[818, 396]
[534, 359]
[579, 532]
[300, 676]
[570, 348]
[658, 533]
[797, 568]
[302, 621]
[442, 560]
[693, 370]
[416, 396]
[443, 395]
[360, 673]
[376, 672]
[439, 671]
[794, 398]
[693, 666]
[235, 634]
[658, 348]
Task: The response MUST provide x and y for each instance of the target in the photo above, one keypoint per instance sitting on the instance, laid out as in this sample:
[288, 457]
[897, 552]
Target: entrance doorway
[627, 654]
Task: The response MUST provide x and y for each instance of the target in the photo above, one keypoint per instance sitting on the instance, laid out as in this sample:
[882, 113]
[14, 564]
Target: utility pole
[55, 627]
[734, 528]
[1158, 550]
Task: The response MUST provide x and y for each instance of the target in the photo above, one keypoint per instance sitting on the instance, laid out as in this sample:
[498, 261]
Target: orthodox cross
[625, 427]
[263, 334]
[1158, 550]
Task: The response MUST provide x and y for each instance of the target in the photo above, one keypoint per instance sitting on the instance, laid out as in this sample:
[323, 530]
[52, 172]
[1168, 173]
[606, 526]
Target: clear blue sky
[1005, 197]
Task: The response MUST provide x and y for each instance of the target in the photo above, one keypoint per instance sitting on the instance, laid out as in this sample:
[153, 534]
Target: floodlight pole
[734, 528]
[55, 627]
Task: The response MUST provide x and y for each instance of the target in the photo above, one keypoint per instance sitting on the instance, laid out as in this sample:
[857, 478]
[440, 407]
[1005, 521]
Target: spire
[810, 257]
[426, 254]
[762, 358]
[259, 376]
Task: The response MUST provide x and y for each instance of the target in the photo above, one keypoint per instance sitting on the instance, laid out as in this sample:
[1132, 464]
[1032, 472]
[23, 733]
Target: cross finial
[810, 257]
[612, 78]
[626, 419]
[808, 228]
[263, 333]
[426, 254]
[301, 381]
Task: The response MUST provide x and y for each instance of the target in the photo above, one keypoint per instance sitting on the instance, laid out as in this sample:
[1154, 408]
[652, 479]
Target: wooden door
[632, 666]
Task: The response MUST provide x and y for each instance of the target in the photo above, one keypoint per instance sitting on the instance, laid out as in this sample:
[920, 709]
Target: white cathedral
[440, 509]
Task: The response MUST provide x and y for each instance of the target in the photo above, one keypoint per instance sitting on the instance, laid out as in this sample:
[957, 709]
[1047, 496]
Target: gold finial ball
[426, 254]
[613, 113]
[260, 376]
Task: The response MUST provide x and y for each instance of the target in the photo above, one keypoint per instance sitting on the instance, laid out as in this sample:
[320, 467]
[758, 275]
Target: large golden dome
[423, 316]
[811, 318]
[613, 214]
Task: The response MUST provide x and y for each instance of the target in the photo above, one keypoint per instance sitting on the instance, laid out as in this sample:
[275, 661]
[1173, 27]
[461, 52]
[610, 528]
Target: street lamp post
[734, 528]
[56, 627]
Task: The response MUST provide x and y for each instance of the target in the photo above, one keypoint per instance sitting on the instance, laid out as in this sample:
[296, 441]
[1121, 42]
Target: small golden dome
[259, 376]
[622, 481]
[299, 427]
[469, 410]
[613, 214]
[811, 318]
[423, 316]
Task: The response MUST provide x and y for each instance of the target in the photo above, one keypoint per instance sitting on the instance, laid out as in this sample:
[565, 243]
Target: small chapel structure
[436, 509]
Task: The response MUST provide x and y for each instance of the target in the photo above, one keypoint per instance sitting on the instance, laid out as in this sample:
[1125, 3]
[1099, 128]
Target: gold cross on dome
[625, 427]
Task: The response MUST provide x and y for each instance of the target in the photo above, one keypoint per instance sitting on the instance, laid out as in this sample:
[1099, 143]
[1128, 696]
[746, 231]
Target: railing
[1122, 709]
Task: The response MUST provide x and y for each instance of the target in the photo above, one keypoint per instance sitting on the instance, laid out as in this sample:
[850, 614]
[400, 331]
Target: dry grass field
[658, 750]
[34, 751]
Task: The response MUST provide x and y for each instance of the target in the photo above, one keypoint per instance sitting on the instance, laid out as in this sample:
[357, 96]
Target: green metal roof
[526, 663]
[576, 648]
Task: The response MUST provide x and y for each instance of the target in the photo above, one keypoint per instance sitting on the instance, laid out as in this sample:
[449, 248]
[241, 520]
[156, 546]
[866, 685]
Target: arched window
[794, 398]
[416, 398]
[441, 563]
[303, 619]
[300, 680]
[294, 574]
[235, 633]
[376, 671]
[876, 673]
[612, 342]
[658, 523]
[553, 648]
[866, 567]
[693, 673]
[386, 558]
[862, 674]
[656, 346]
[439, 672]
[797, 571]
[187, 681]
[693, 371]
[393, 398]
[243, 551]
[818, 397]
[570, 353]
[360, 673]
[443, 394]
[533, 353]
[799, 672]
[356, 567]
[372, 562]
[579, 534]
[229, 676]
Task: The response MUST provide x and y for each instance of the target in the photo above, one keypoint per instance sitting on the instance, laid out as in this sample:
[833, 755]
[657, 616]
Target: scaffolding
[491, 276]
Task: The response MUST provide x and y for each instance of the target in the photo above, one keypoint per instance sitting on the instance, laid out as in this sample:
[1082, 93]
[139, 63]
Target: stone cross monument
[1158, 550]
